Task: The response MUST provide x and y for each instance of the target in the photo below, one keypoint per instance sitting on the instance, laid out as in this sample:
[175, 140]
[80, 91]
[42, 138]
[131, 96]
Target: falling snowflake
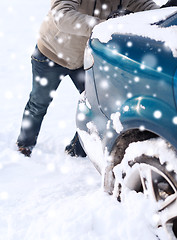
[37, 79]
[159, 69]
[43, 82]
[60, 40]
[175, 120]
[126, 108]
[129, 44]
[106, 68]
[61, 77]
[104, 6]
[109, 134]
[157, 114]
[149, 60]
[104, 84]
[81, 117]
[142, 128]
[51, 64]
[96, 12]
[92, 22]
[26, 123]
[78, 25]
[52, 93]
[129, 95]
[27, 112]
[60, 55]
[136, 79]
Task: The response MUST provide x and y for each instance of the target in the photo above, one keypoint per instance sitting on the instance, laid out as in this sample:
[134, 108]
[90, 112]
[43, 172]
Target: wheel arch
[127, 137]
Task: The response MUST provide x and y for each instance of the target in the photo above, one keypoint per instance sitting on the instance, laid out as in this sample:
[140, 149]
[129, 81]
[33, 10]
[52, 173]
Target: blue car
[130, 101]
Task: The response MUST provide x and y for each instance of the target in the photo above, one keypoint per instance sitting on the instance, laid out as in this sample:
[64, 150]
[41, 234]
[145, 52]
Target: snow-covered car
[127, 117]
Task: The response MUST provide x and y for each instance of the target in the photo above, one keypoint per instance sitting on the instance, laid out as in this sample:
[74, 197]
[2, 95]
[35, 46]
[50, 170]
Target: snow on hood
[140, 24]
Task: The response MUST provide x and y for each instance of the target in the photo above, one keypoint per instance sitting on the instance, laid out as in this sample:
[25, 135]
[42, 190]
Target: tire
[150, 176]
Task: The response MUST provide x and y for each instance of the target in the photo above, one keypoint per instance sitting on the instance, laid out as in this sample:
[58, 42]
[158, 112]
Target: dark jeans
[46, 78]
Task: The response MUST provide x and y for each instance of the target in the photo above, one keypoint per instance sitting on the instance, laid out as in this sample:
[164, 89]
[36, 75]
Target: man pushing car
[60, 52]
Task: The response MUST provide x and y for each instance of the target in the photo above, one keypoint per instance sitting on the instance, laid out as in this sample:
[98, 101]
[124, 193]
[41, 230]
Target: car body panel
[131, 85]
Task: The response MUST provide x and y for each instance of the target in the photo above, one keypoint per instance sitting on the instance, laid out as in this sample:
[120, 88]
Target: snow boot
[26, 151]
[74, 149]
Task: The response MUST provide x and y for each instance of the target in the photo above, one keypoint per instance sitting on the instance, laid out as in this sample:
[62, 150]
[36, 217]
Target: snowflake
[175, 120]
[60, 40]
[149, 60]
[52, 93]
[142, 66]
[78, 25]
[104, 84]
[157, 114]
[141, 128]
[136, 79]
[46, 19]
[26, 123]
[129, 95]
[109, 134]
[97, 11]
[118, 103]
[169, 167]
[126, 108]
[129, 44]
[60, 55]
[51, 64]
[43, 82]
[61, 77]
[32, 18]
[81, 116]
[27, 112]
[159, 69]
[92, 22]
[37, 79]
[106, 68]
[104, 6]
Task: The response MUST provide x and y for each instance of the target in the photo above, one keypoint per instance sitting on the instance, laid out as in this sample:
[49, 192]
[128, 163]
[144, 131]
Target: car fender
[150, 113]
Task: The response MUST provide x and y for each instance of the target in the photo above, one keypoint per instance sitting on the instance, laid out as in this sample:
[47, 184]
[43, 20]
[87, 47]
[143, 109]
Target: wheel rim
[158, 187]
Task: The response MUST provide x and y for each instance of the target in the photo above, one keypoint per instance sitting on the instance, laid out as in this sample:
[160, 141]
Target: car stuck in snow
[130, 101]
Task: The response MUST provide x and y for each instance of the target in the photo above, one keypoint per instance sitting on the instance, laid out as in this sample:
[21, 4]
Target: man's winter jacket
[68, 25]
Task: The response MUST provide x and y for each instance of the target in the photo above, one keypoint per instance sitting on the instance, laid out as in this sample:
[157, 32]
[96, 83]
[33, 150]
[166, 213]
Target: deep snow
[51, 195]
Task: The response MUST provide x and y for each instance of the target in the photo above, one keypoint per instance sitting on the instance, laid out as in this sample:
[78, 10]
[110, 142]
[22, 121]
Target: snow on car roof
[141, 24]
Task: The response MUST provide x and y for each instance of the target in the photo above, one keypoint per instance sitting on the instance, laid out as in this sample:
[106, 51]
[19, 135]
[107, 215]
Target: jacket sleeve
[141, 5]
[68, 19]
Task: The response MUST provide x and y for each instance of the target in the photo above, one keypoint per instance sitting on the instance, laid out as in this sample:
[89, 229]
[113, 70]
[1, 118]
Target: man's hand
[170, 3]
[119, 13]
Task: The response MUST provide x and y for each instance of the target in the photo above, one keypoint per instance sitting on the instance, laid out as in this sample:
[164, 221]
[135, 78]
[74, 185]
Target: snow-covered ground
[50, 196]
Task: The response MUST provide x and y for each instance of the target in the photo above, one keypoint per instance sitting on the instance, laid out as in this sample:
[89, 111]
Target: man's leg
[46, 78]
[78, 78]
[75, 149]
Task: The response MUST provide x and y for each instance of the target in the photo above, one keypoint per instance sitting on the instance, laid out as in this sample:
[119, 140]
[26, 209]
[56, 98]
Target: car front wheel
[158, 183]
